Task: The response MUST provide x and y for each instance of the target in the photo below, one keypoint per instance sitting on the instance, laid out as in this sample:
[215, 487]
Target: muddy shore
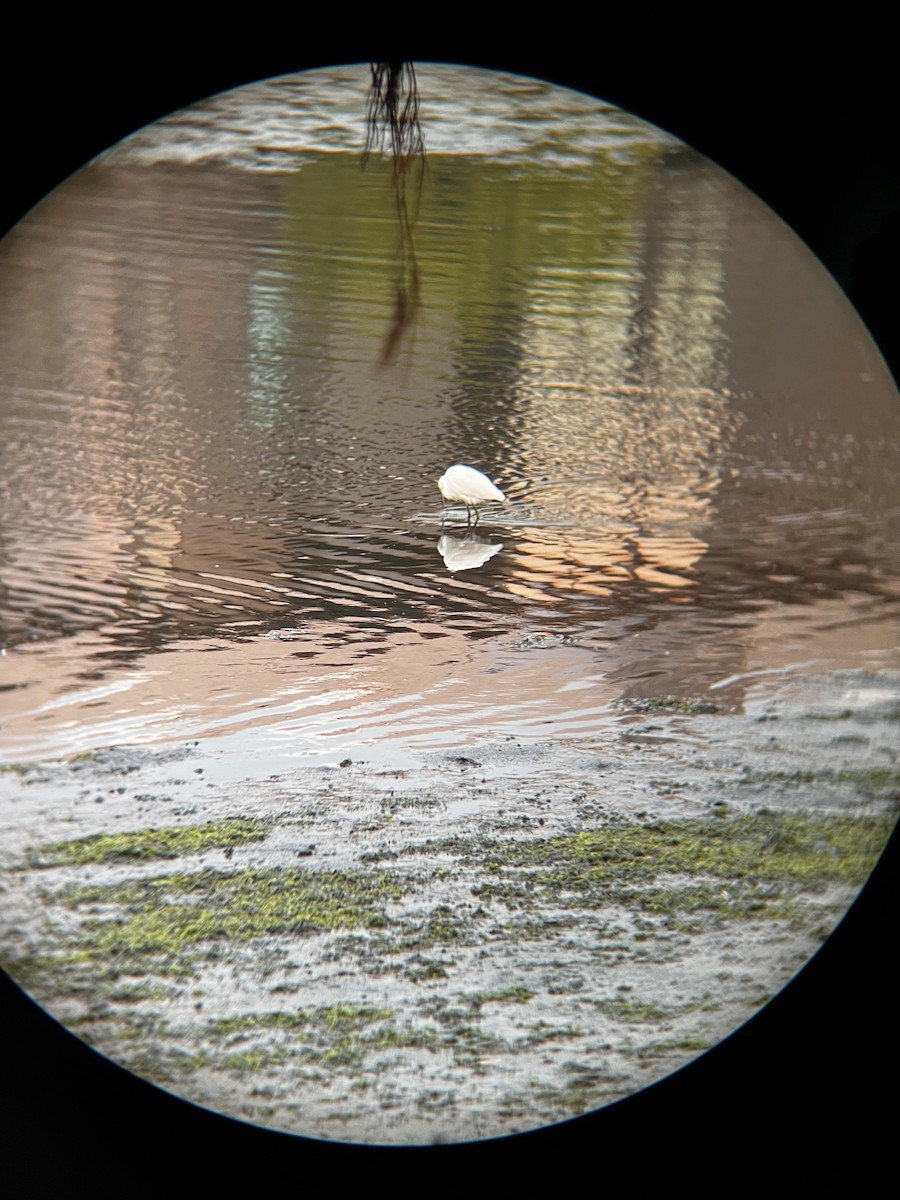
[485, 942]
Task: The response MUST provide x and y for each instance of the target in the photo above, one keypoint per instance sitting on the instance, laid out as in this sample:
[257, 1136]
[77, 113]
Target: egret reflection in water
[464, 553]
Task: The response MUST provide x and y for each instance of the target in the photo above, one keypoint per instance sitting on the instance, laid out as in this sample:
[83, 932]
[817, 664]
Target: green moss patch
[336, 1035]
[687, 706]
[735, 867]
[632, 1012]
[169, 915]
[340, 1017]
[765, 846]
[661, 1049]
[516, 995]
[169, 842]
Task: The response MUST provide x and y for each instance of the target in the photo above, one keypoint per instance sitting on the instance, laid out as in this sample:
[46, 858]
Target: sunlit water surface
[219, 514]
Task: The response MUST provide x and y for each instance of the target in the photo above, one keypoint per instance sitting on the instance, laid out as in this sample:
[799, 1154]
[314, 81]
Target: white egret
[470, 486]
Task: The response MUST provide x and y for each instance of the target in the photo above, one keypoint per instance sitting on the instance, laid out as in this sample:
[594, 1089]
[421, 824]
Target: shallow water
[203, 454]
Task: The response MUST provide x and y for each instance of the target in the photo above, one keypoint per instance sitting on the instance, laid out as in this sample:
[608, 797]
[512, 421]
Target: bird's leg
[475, 522]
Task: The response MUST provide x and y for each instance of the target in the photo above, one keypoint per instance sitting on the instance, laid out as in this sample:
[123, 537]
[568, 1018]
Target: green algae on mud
[683, 705]
[332, 1038]
[170, 916]
[756, 849]
[166, 842]
[334, 1016]
[727, 868]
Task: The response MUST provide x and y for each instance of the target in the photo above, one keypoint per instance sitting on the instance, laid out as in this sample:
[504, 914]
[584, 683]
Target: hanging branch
[393, 107]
